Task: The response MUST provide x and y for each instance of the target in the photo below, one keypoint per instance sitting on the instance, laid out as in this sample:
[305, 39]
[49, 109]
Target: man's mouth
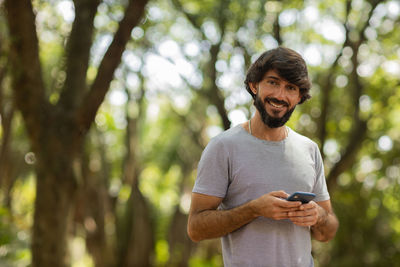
[276, 103]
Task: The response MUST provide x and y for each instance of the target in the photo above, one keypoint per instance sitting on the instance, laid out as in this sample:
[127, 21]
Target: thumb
[281, 194]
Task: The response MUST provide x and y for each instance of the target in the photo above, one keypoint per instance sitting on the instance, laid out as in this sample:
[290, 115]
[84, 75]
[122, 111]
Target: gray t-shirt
[239, 167]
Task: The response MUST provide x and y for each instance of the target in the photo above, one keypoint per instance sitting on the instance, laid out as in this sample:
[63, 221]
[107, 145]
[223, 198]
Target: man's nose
[279, 92]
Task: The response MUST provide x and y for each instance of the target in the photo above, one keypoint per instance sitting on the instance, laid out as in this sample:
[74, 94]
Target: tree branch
[6, 115]
[348, 157]
[78, 53]
[28, 86]
[328, 85]
[359, 129]
[193, 19]
[276, 30]
[92, 101]
[214, 94]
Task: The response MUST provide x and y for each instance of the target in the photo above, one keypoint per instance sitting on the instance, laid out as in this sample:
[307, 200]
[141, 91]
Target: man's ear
[253, 87]
[300, 97]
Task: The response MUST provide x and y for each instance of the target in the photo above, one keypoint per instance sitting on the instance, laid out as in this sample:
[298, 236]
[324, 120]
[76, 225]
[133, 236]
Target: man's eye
[272, 82]
[291, 88]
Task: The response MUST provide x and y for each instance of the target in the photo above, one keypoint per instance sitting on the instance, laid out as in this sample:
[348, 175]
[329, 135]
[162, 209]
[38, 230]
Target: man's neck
[258, 129]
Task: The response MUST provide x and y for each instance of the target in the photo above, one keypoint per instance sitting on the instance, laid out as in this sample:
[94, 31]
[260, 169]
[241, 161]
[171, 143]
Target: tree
[347, 108]
[57, 131]
[352, 52]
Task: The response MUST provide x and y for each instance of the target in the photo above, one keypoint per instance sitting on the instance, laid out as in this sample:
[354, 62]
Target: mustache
[277, 101]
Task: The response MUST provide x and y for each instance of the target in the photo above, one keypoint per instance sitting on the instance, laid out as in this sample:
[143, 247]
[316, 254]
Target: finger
[294, 214]
[307, 220]
[304, 221]
[289, 209]
[309, 205]
[279, 194]
[303, 213]
[289, 204]
[304, 224]
[281, 216]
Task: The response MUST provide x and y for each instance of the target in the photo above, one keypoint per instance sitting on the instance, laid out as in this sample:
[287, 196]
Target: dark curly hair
[287, 63]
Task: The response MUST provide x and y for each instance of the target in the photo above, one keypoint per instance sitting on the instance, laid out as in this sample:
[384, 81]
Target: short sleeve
[320, 187]
[213, 170]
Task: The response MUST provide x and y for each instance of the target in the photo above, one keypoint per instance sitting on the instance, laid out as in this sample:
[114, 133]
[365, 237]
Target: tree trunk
[94, 204]
[136, 237]
[6, 163]
[54, 190]
[139, 241]
[56, 131]
[95, 210]
[180, 246]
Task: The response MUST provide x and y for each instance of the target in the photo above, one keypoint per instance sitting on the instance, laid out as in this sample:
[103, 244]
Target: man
[246, 173]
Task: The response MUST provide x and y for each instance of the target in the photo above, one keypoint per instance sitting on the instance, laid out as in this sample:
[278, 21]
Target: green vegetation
[110, 180]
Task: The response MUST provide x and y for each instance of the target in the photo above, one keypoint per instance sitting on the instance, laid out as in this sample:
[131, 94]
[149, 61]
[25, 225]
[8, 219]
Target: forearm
[217, 223]
[326, 227]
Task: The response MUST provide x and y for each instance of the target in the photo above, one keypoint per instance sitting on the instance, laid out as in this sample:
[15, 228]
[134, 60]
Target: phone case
[304, 197]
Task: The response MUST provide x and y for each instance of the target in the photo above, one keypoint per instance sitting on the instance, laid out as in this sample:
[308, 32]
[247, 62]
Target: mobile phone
[304, 197]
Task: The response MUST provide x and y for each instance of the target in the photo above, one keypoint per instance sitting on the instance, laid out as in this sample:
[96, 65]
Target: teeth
[276, 106]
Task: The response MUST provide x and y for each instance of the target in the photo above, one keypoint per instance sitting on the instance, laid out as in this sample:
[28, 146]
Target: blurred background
[106, 106]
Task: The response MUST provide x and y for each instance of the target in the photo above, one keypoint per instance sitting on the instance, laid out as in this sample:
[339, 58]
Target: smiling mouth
[276, 103]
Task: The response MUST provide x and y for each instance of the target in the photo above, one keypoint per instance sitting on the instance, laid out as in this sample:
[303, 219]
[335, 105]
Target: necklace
[250, 127]
[286, 130]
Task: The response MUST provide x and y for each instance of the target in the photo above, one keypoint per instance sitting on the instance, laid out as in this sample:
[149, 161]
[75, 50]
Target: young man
[246, 173]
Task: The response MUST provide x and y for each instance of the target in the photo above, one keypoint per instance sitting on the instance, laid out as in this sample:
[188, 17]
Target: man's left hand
[307, 214]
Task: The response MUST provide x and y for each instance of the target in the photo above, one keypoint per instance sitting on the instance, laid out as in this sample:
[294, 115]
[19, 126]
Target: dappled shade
[106, 108]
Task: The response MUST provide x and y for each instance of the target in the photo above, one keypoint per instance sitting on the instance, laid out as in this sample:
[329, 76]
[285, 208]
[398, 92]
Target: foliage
[181, 78]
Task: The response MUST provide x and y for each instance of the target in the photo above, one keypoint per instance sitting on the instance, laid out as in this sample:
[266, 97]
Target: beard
[271, 121]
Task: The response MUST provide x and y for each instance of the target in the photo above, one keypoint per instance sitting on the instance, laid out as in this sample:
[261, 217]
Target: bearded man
[246, 174]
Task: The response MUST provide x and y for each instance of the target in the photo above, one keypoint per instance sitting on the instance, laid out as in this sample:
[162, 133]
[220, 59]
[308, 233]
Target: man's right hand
[206, 221]
[274, 205]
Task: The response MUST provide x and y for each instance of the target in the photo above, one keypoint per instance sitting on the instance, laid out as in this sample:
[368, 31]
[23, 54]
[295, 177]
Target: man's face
[276, 99]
